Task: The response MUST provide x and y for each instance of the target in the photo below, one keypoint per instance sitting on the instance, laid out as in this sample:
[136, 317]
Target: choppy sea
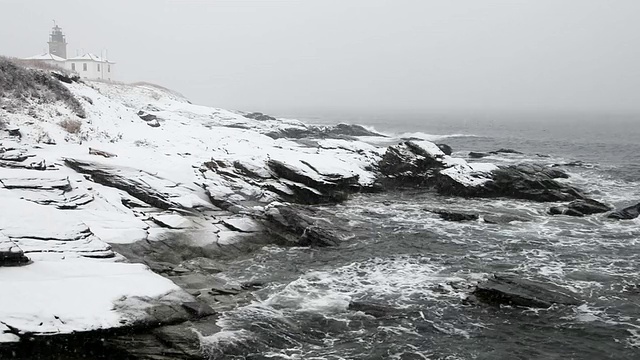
[419, 268]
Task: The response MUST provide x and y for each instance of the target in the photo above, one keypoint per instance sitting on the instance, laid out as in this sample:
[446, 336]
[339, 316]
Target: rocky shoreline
[128, 221]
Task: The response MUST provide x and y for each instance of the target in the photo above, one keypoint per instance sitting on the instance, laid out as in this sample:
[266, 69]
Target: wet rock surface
[627, 213]
[526, 181]
[580, 207]
[514, 291]
[298, 226]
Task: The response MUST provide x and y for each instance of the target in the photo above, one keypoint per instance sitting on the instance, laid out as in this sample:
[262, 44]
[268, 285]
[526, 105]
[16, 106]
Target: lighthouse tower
[57, 42]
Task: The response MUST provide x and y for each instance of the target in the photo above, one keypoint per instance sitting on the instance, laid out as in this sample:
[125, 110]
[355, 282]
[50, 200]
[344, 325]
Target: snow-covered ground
[170, 166]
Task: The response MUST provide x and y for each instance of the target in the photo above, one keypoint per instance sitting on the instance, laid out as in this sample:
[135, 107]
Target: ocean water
[419, 268]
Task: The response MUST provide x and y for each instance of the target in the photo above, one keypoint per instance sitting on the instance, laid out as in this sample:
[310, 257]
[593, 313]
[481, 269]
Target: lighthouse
[57, 42]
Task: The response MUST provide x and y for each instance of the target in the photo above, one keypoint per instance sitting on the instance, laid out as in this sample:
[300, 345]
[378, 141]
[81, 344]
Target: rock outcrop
[339, 131]
[123, 179]
[510, 290]
[580, 207]
[423, 164]
[627, 213]
[298, 226]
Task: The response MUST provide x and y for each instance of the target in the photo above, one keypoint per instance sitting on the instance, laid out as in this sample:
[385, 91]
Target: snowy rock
[129, 180]
[58, 297]
[10, 253]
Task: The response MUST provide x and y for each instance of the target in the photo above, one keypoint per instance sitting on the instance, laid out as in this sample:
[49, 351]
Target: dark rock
[102, 153]
[477, 155]
[504, 151]
[340, 131]
[407, 164]
[526, 181]
[627, 213]
[350, 130]
[510, 290]
[65, 78]
[299, 226]
[198, 309]
[316, 190]
[14, 132]
[13, 258]
[454, 215]
[503, 218]
[580, 207]
[118, 179]
[146, 116]
[576, 163]
[446, 149]
[259, 116]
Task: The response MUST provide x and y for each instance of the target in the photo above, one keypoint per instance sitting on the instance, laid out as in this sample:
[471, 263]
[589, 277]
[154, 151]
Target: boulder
[454, 215]
[477, 155]
[627, 213]
[580, 207]
[504, 151]
[510, 290]
[446, 149]
[10, 253]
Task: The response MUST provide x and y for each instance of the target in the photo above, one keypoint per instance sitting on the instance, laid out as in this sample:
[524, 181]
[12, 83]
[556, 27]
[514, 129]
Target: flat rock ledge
[514, 291]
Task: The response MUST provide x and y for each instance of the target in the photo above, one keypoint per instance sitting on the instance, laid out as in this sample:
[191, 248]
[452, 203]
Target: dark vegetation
[20, 85]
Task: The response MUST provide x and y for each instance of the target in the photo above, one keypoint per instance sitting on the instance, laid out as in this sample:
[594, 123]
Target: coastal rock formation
[627, 213]
[338, 131]
[151, 228]
[423, 164]
[580, 207]
[298, 226]
[510, 290]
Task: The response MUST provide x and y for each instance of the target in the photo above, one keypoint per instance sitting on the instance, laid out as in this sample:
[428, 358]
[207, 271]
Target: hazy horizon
[297, 57]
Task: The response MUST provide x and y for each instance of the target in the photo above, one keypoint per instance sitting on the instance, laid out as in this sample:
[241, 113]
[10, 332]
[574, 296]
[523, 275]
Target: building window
[73, 66]
[84, 67]
[98, 67]
[109, 69]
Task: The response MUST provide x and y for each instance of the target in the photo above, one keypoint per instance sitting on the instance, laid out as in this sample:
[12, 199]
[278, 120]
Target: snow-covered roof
[90, 57]
[45, 56]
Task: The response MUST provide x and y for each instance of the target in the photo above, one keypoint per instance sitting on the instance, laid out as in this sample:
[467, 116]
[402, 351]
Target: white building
[48, 59]
[90, 66]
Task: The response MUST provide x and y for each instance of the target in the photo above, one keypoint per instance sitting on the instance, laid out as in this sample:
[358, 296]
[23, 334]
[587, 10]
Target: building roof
[45, 56]
[90, 57]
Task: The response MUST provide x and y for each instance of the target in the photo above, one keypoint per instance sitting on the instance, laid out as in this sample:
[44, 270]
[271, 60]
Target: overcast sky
[356, 55]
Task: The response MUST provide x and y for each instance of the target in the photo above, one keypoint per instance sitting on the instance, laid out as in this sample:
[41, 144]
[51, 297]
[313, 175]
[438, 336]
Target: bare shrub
[71, 126]
[23, 84]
